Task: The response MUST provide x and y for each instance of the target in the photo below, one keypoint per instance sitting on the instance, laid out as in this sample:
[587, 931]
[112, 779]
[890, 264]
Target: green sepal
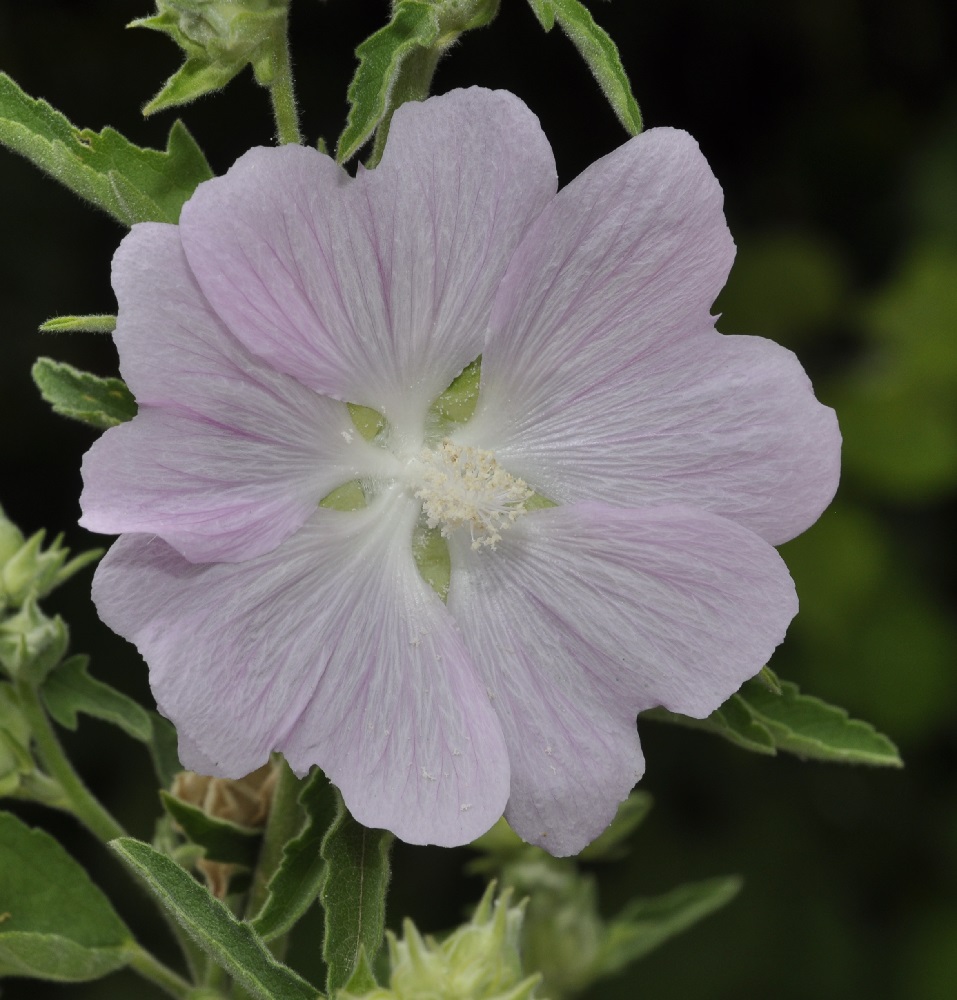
[220, 39]
[79, 324]
[595, 46]
[32, 571]
[296, 883]
[221, 839]
[57, 925]
[130, 183]
[457, 403]
[230, 943]
[757, 719]
[644, 924]
[99, 402]
[70, 690]
[353, 893]
[414, 26]
[363, 980]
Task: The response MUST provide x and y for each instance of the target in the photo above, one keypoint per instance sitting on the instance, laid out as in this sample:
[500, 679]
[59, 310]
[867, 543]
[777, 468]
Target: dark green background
[832, 125]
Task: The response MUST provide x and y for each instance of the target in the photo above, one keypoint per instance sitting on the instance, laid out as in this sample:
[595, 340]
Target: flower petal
[728, 424]
[375, 290]
[226, 458]
[584, 616]
[331, 649]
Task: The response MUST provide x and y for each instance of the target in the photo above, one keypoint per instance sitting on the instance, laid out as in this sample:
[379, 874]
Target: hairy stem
[282, 93]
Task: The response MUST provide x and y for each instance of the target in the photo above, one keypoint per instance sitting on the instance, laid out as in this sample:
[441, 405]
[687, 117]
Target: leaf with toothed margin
[599, 52]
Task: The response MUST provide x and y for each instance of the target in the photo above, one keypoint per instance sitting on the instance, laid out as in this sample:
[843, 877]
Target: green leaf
[298, 879]
[221, 839]
[231, 944]
[414, 27]
[733, 721]
[644, 924]
[164, 749]
[100, 402]
[70, 690]
[810, 728]
[79, 324]
[56, 924]
[762, 721]
[598, 50]
[353, 894]
[457, 403]
[131, 183]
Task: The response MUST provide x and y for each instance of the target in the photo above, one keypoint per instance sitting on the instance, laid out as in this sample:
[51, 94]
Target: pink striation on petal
[586, 615]
[603, 377]
[728, 424]
[226, 458]
[331, 649]
[375, 290]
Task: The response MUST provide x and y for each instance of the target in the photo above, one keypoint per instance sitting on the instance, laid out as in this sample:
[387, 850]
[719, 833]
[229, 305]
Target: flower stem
[152, 969]
[78, 798]
[282, 93]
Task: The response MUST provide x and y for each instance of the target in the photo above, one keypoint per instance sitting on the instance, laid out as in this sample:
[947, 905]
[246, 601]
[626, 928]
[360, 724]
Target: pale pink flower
[677, 458]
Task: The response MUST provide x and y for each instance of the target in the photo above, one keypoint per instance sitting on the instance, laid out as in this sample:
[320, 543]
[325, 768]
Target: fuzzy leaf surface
[353, 894]
[131, 183]
[595, 46]
[70, 690]
[414, 26]
[99, 402]
[298, 879]
[57, 925]
[79, 324]
[231, 944]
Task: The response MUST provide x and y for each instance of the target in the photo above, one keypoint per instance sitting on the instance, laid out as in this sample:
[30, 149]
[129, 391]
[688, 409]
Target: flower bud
[479, 961]
[31, 644]
[220, 38]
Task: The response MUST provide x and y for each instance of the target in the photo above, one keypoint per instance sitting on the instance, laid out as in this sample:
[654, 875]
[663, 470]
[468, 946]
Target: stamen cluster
[465, 486]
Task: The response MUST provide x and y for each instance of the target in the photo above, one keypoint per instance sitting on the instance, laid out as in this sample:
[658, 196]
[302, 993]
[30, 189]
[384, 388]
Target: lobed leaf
[595, 46]
[763, 721]
[69, 690]
[414, 26]
[131, 183]
[808, 727]
[231, 944]
[353, 894]
[99, 402]
[56, 924]
[298, 879]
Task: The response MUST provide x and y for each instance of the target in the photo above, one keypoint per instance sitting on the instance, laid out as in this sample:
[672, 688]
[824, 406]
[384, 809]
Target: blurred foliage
[831, 125]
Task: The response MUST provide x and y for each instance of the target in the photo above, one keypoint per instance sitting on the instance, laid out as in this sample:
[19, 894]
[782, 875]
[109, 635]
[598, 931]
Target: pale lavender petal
[728, 424]
[331, 649]
[376, 290]
[226, 457]
[587, 614]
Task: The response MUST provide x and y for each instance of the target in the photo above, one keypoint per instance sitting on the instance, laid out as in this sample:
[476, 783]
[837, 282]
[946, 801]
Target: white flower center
[464, 486]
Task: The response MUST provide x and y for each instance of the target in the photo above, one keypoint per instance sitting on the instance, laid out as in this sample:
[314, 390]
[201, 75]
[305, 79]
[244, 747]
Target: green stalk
[79, 799]
[150, 968]
[282, 92]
